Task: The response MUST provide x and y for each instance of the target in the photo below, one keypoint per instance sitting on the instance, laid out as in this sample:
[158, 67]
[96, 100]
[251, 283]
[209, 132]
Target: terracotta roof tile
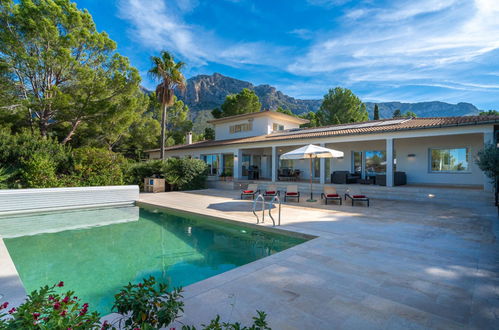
[370, 127]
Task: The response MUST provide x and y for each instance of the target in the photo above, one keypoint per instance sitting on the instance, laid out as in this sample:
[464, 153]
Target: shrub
[488, 161]
[259, 323]
[147, 305]
[39, 171]
[47, 309]
[186, 173]
[135, 172]
[96, 167]
[26, 155]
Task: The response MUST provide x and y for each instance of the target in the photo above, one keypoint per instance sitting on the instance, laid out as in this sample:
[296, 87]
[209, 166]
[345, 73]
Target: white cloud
[159, 25]
[406, 42]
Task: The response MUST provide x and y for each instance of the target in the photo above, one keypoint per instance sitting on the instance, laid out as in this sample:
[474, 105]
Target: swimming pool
[97, 251]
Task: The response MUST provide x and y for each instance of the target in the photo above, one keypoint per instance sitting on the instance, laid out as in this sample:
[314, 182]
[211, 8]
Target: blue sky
[400, 50]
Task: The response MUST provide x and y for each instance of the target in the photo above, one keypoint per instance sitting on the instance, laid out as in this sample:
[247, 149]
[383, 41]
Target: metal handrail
[270, 209]
[260, 196]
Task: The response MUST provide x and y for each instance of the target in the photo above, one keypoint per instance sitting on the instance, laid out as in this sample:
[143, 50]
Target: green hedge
[30, 161]
[181, 174]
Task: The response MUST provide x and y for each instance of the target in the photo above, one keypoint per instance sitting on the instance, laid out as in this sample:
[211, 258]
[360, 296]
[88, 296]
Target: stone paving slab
[395, 265]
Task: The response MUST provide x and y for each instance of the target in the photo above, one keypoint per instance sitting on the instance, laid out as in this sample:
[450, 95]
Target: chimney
[188, 138]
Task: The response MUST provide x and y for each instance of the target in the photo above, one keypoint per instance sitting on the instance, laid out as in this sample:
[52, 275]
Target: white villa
[403, 151]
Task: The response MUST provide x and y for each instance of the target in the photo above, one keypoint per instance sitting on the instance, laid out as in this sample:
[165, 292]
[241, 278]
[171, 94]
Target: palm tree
[167, 71]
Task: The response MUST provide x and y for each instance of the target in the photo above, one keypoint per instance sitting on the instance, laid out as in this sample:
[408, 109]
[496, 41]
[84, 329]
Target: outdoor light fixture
[411, 155]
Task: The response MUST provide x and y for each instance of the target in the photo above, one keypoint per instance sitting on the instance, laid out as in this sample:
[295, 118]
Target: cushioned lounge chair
[330, 194]
[356, 196]
[271, 191]
[292, 192]
[252, 190]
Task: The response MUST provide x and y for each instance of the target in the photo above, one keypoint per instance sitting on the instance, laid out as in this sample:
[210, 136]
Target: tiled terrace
[395, 265]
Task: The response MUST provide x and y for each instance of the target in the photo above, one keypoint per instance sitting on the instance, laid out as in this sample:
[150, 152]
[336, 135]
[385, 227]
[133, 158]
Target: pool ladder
[271, 204]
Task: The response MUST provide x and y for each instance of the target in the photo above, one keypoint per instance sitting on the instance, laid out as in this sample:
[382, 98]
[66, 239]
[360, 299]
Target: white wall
[261, 126]
[418, 167]
[405, 142]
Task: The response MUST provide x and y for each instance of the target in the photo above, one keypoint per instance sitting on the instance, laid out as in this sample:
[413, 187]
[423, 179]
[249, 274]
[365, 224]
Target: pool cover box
[30, 200]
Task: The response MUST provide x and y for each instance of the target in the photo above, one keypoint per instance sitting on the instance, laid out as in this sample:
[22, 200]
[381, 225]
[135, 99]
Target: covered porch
[444, 160]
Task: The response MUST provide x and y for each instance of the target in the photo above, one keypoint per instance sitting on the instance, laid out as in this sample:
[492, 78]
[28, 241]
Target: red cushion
[359, 196]
[291, 194]
[332, 195]
[270, 192]
[248, 191]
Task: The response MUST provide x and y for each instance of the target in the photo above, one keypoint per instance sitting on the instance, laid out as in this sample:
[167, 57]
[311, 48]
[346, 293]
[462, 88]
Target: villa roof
[275, 114]
[368, 127]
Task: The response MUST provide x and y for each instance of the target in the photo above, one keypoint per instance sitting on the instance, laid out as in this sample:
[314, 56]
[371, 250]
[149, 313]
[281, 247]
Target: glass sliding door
[357, 162]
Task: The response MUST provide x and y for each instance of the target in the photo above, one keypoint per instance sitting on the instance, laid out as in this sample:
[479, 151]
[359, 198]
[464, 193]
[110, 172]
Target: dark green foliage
[209, 133]
[68, 74]
[33, 161]
[185, 173]
[39, 171]
[236, 104]
[147, 305]
[285, 111]
[489, 113]
[96, 167]
[339, 106]
[259, 323]
[397, 113]
[135, 172]
[312, 117]
[182, 174]
[376, 112]
[48, 309]
[488, 161]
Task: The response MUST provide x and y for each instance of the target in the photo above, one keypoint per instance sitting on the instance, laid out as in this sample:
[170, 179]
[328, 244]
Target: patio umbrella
[310, 152]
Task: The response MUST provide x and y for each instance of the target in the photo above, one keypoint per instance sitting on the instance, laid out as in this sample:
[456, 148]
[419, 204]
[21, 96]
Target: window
[241, 128]
[449, 160]
[375, 162]
[212, 162]
[277, 127]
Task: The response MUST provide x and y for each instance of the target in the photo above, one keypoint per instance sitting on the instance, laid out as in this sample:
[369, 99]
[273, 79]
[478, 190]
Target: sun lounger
[252, 190]
[292, 192]
[330, 194]
[271, 191]
[356, 196]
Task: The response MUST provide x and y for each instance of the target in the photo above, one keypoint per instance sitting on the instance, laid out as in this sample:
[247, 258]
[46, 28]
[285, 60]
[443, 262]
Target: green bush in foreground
[143, 306]
[182, 174]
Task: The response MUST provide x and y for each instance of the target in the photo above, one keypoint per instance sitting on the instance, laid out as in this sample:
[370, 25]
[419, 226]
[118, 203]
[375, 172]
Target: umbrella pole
[311, 193]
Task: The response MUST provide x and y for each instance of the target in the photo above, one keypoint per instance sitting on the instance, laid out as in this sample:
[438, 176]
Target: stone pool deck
[395, 265]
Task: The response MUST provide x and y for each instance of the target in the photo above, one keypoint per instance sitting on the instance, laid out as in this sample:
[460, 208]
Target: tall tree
[66, 72]
[167, 71]
[341, 105]
[376, 112]
[236, 104]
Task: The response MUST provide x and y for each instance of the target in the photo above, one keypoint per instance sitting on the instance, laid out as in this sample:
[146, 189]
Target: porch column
[322, 167]
[220, 163]
[389, 162]
[238, 159]
[488, 138]
[274, 164]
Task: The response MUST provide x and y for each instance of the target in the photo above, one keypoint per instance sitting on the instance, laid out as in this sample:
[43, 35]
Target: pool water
[96, 252]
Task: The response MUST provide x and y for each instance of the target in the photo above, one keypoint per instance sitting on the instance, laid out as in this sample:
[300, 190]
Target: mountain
[204, 92]
[424, 109]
